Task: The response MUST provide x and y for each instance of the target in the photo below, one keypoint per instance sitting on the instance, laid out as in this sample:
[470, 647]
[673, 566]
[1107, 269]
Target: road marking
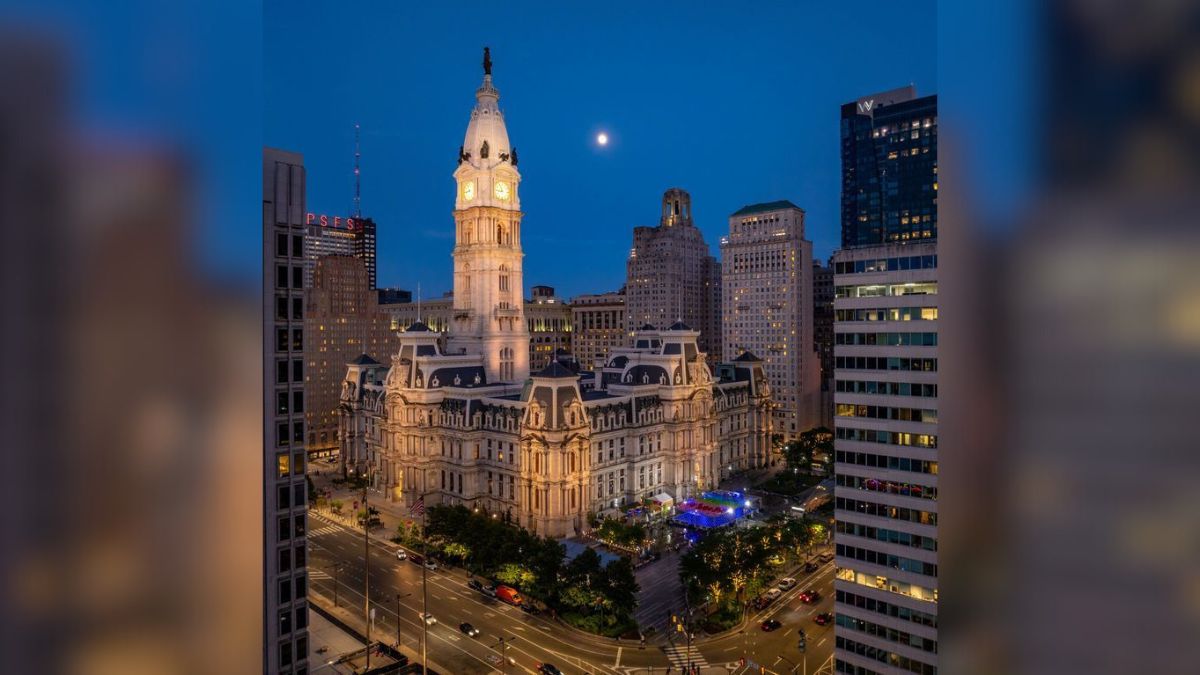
[617, 663]
[787, 631]
[822, 641]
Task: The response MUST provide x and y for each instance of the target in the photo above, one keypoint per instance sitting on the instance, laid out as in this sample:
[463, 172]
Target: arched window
[504, 278]
[506, 364]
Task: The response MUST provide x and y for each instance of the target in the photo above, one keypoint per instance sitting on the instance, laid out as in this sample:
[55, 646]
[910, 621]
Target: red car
[823, 618]
[770, 625]
[810, 596]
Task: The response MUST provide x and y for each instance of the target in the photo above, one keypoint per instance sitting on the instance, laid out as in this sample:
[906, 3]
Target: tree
[456, 551]
[515, 574]
[370, 518]
[621, 587]
[814, 442]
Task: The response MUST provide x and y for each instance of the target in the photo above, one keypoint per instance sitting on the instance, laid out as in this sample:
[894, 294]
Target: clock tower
[489, 290]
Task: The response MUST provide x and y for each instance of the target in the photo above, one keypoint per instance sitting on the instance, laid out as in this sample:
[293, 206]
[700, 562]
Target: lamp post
[503, 655]
[337, 567]
[398, 597]
[365, 477]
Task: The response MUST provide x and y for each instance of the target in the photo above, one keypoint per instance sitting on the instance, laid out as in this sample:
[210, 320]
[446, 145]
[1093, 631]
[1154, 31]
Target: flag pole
[424, 592]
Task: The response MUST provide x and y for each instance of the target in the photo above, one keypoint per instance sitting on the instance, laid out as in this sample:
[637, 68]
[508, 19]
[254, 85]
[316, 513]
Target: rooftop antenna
[357, 192]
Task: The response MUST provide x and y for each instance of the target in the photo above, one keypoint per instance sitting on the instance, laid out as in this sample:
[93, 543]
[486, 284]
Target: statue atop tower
[487, 61]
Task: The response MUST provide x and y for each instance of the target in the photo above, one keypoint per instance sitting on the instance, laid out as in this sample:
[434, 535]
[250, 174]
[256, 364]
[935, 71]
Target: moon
[602, 138]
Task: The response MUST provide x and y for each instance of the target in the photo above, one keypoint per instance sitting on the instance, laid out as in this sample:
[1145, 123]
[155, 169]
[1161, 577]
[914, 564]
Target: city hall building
[458, 419]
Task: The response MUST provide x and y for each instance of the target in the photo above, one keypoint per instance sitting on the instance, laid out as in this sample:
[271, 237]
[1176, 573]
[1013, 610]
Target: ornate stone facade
[446, 423]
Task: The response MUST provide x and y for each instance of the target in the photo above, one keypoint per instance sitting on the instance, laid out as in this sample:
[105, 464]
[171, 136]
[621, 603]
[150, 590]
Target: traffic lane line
[439, 579]
[435, 635]
[454, 616]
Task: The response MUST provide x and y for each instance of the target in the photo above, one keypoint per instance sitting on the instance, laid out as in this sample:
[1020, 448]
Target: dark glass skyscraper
[889, 169]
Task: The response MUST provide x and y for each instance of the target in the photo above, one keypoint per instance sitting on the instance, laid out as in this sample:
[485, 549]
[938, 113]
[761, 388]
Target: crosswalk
[678, 655]
[318, 573]
[322, 531]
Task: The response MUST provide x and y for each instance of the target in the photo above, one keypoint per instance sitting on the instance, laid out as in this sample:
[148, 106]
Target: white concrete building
[457, 420]
[886, 458]
[767, 307]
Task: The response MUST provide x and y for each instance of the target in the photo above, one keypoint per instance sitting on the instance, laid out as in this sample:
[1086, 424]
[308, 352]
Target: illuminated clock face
[469, 190]
[502, 190]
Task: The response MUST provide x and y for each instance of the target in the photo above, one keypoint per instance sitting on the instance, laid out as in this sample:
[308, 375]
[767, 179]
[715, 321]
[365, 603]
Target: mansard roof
[679, 325]
[747, 356]
[364, 360]
[418, 327]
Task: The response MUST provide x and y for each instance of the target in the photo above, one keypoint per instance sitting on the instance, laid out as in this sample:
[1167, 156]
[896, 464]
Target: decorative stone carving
[483, 151]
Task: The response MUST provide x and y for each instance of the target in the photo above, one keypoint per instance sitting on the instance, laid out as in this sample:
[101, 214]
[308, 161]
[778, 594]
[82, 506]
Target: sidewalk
[330, 646]
[391, 514]
[351, 624]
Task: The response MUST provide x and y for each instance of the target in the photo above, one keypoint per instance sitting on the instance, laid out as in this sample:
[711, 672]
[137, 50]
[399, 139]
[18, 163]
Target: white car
[430, 565]
[429, 619]
[773, 594]
[786, 583]
[401, 555]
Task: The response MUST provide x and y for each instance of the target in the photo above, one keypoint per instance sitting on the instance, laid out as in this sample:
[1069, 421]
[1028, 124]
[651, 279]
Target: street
[533, 639]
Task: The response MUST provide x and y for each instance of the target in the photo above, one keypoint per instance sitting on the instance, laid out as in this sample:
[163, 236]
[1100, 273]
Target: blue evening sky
[735, 104]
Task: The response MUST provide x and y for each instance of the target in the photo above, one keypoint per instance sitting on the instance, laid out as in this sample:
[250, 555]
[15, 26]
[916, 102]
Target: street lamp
[503, 655]
[398, 597]
[337, 567]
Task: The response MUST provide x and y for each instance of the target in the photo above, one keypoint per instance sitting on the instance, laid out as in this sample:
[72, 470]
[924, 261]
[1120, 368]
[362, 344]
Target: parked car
[548, 669]
[401, 554]
[786, 583]
[825, 557]
[770, 625]
[823, 618]
[775, 560]
[508, 594]
[773, 594]
[468, 629]
[490, 589]
[810, 596]
[530, 609]
[811, 566]
[475, 585]
[428, 618]
[416, 559]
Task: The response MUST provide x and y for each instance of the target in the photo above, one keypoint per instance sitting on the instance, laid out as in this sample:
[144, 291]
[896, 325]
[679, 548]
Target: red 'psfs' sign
[336, 221]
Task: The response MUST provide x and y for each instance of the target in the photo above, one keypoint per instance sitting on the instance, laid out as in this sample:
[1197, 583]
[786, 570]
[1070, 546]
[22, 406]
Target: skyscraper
[822, 309]
[344, 320]
[670, 276]
[889, 168]
[338, 235]
[766, 274]
[285, 596]
[886, 389]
